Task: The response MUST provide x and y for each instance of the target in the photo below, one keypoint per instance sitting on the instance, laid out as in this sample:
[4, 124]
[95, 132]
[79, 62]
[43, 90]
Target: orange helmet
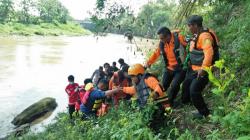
[136, 69]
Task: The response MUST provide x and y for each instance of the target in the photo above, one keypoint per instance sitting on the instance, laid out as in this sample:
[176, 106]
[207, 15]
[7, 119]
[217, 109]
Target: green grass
[230, 105]
[129, 123]
[125, 123]
[45, 29]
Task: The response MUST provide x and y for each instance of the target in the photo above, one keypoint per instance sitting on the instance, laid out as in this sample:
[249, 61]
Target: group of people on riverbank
[185, 60]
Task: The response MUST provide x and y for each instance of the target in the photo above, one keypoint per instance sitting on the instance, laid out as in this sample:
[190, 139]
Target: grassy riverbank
[44, 29]
[126, 123]
[227, 96]
[229, 119]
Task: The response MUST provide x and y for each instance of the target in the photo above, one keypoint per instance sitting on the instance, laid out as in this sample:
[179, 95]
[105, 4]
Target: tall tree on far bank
[120, 18]
[24, 15]
[52, 10]
[154, 15]
[6, 10]
[107, 15]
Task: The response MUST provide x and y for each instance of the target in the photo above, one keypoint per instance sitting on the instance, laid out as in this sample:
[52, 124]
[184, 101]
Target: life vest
[85, 100]
[97, 105]
[179, 50]
[143, 91]
[197, 56]
[143, 94]
[85, 97]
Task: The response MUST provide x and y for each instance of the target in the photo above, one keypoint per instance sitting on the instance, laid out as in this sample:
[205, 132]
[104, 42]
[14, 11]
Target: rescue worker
[145, 87]
[171, 49]
[120, 79]
[203, 53]
[82, 90]
[90, 106]
[103, 85]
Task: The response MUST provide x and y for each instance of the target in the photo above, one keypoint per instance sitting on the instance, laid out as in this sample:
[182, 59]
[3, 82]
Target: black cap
[195, 19]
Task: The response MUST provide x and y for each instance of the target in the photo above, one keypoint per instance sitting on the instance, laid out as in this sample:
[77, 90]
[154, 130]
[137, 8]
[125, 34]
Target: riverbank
[128, 123]
[43, 29]
[45, 63]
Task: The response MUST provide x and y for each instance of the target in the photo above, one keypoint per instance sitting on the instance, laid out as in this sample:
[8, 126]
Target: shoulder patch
[207, 42]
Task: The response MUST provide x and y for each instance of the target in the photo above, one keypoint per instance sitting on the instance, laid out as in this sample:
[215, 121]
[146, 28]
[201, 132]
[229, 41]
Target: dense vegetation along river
[32, 68]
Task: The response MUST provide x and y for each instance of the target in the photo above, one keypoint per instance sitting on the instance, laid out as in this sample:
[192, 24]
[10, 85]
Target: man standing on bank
[203, 53]
[171, 49]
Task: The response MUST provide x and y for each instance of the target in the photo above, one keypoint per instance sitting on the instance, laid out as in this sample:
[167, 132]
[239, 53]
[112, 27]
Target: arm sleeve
[154, 56]
[208, 52]
[99, 94]
[153, 83]
[129, 90]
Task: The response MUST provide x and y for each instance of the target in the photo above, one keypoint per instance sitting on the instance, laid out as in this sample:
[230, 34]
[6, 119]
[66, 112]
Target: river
[32, 68]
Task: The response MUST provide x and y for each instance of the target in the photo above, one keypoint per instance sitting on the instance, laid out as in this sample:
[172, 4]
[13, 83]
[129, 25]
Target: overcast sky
[79, 8]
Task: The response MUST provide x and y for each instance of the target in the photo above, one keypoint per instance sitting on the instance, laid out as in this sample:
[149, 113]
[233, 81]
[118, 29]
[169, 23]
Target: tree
[6, 10]
[108, 16]
[52, 10]
[24, 16]
[154, 15]
[120, 18]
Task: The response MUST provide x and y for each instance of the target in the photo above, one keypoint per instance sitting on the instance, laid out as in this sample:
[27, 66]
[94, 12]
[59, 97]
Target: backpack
[85, 101]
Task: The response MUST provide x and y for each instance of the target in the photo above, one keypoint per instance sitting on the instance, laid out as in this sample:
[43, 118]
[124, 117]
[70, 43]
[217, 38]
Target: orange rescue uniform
[151, 82]
[205, 43]
[169, 50]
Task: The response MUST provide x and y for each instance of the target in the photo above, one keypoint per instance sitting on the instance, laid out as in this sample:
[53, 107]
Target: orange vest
[204, 43]
[169, 50]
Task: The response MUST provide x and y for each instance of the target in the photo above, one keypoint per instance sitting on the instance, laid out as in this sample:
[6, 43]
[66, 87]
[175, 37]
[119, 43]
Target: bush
[123, 123]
